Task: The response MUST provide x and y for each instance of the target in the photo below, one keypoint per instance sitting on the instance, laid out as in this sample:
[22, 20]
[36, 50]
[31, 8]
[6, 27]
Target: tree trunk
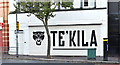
[49, 40]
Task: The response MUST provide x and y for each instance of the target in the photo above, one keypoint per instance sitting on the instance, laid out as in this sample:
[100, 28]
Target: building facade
[72, 31]
[1, 23]
[4, 9]
[114, 28]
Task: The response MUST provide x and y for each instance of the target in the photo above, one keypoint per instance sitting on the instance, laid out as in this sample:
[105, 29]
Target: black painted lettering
[72, 36]
[78, 40]
[53, 32]
[83, 41]
[61, 43]
[93, 38]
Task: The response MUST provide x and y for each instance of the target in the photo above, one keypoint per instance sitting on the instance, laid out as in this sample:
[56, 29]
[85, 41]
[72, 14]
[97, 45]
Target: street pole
[16, 33]
[16, 39]
[105, 42]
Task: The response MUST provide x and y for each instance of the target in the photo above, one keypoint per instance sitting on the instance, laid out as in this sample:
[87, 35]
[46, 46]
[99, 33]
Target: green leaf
[42, 10]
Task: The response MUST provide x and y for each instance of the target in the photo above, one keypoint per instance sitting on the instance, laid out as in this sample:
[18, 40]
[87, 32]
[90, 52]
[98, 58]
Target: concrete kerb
[67, 60]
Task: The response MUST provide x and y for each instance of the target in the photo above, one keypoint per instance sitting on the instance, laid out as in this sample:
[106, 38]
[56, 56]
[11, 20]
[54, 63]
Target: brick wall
[4, 9]
[1, 38]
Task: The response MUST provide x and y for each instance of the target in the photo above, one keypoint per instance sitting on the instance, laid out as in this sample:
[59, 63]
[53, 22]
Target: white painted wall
[61, 18]
[23, 22]
[11, 6]
[42, 49]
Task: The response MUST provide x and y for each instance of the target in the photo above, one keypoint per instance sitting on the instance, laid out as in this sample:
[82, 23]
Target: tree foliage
[43, 11]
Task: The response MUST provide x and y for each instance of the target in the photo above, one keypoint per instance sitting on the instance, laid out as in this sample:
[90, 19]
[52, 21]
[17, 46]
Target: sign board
[67, 40]
[17, 25]
[1, 22]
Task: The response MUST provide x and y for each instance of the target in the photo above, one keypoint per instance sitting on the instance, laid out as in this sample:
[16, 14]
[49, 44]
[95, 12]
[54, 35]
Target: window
[85, 2]
[88, 3]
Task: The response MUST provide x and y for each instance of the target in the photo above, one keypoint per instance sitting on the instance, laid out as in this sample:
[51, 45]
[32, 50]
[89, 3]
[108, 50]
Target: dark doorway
[114, 28]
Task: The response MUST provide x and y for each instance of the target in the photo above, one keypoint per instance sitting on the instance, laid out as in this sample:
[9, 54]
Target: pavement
[70, 59]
